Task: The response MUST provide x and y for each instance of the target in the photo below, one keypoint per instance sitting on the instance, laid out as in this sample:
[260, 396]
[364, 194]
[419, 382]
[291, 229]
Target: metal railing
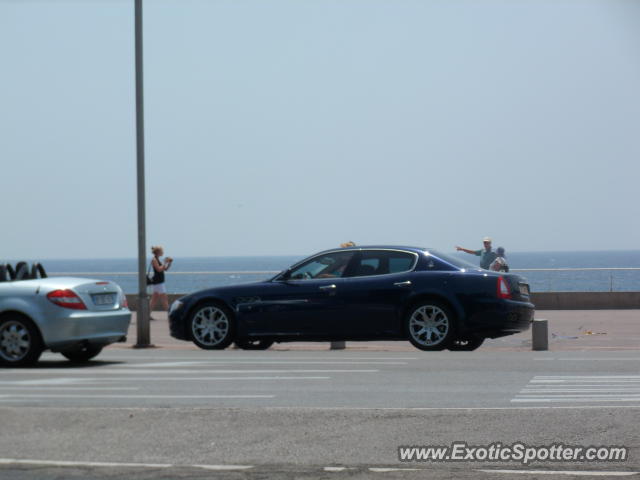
[586, 269]
[198, 272]
[541, 279]
[611, 270]
[273, 272]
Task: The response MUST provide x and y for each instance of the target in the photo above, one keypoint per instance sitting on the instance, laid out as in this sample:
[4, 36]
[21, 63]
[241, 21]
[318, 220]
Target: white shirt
[499, 265]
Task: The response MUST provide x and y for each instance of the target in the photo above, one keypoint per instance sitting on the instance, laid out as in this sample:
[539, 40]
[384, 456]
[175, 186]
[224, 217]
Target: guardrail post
[338, 345]
[540, 334]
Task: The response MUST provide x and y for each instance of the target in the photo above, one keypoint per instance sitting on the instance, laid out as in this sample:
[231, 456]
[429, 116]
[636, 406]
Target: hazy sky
[286, 127]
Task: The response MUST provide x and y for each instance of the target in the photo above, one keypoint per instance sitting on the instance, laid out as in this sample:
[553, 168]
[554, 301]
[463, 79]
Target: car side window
[382, 262]
[330, 265]
[401, 262]
[436, 264]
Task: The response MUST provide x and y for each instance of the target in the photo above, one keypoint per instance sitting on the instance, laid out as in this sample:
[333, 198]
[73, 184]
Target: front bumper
[177, 322]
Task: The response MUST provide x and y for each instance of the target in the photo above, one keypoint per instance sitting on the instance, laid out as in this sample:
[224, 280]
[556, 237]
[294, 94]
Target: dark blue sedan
[361, 293]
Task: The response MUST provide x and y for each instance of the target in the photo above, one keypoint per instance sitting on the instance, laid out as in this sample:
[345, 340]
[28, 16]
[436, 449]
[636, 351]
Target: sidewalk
[568, 330]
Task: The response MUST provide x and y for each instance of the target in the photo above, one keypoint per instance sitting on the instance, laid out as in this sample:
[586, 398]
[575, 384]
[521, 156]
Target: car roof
[382, 247]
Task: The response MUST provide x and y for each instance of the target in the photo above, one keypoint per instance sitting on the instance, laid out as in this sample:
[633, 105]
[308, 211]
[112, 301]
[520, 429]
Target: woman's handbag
[151, 274]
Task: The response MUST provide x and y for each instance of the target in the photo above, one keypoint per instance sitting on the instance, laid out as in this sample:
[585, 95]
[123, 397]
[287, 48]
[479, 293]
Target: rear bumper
[504, 317]
[99, 328]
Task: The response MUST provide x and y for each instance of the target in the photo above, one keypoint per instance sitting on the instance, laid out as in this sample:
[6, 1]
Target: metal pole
[142, 320]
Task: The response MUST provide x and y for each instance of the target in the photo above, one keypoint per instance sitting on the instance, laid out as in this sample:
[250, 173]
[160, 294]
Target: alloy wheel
[15, 341]
[210, 326]
[429, 325]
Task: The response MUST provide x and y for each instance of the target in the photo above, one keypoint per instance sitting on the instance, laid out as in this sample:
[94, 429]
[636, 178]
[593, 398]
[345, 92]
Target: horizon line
[289, 255]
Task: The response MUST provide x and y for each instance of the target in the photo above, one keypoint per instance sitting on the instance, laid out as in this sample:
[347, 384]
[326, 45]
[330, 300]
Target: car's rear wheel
[82, 354]
[254, 344]
[20, 342]
[212, 326]
[430, 325]
[466, 344]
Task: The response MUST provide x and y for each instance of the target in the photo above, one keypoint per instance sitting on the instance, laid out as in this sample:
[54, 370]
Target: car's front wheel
[212, 326]
[430, 325]
[20, 343]
[82, 354]
[466, 344]
[253, 344]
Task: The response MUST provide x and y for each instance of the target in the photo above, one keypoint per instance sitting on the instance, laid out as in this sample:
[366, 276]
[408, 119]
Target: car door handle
[328, 287]
[403, 284]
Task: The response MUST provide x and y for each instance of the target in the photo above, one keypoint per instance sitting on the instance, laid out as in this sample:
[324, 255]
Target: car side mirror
[284, 275]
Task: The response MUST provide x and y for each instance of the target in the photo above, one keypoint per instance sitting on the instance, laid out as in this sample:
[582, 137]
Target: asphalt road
[310, 414]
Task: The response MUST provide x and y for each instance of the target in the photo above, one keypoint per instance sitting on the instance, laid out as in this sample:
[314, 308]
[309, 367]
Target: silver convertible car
[76, 317]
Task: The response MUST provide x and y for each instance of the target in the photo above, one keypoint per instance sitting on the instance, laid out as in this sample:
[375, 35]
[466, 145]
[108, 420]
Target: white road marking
[590, 395]
[102, 381]
[584, 383]
[334, 469]
[223, 467]
[387, 470]
[208, 378]
[65, 463]
[136, 396]
[471, 409]
[184, 371]
[589, 377]
[588, 399]
[36, 387]
[608, 359]
[229, 357]
[261, 362]
[44, 381]
[582, 473]
[580, 388]
[607, 381]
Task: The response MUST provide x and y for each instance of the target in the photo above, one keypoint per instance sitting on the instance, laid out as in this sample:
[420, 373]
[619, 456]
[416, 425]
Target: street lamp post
[142, 320]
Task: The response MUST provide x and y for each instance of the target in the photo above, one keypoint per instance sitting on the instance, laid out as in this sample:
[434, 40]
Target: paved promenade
[568, 330]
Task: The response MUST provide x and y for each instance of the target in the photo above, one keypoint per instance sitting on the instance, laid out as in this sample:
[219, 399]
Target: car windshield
[455, 261]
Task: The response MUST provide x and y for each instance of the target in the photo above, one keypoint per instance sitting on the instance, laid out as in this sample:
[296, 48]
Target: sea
[585, 271]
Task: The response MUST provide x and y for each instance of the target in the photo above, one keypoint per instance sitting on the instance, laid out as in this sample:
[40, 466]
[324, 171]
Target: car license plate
[524, 288]
[103, 298]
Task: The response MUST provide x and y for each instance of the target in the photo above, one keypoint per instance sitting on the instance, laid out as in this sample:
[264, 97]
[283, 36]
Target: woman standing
[158, 287]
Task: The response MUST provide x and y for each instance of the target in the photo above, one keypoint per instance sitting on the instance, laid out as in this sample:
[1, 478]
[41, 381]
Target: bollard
[338, 345]
[540, 334]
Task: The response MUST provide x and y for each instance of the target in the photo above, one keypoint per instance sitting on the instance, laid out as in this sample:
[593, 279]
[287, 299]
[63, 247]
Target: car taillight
[125, 302]
[66, 299]
[503, 288]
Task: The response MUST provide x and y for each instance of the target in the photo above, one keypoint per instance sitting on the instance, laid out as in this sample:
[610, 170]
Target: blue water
[553, 281]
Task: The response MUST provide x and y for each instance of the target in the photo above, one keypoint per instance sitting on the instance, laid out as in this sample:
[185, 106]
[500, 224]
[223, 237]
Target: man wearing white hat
[487, 256]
